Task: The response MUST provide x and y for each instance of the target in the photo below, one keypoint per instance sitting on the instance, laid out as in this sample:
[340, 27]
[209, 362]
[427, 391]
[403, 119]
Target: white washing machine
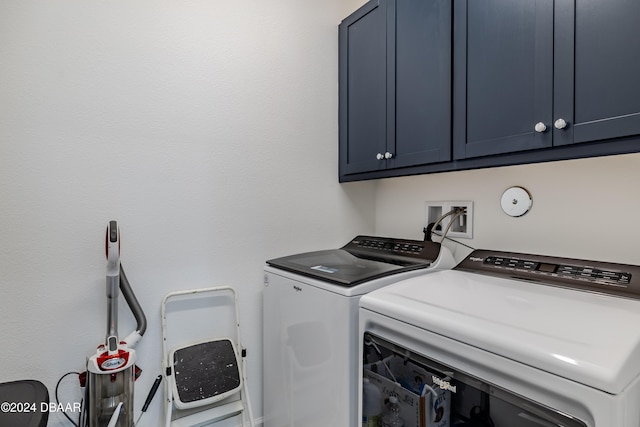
[310, 324]
[516, 340]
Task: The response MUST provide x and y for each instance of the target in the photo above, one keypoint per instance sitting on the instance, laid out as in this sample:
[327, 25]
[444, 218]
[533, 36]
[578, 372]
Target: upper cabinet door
[503, 76]
[395, 85]
[419, 76]
[597, 67]
[363, 86]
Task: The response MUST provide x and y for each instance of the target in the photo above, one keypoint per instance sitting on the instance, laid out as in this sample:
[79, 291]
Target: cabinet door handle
[540, 127]
[388, 155]
[560, 124]
[380, 156]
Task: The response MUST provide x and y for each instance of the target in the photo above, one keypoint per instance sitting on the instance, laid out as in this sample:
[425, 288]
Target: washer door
[447, 396]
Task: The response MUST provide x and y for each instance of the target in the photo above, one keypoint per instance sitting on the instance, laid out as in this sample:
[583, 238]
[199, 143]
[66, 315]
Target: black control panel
[410, 251]
[595, 276]
[390, 246]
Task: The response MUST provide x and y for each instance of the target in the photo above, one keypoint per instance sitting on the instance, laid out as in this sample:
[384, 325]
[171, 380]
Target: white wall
[207, 129]
[581, 208]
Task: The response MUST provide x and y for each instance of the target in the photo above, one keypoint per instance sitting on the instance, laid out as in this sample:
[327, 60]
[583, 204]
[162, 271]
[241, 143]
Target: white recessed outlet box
[462, 226]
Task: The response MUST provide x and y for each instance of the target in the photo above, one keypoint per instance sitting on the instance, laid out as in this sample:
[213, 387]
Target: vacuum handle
[112, 248]
[117, 280]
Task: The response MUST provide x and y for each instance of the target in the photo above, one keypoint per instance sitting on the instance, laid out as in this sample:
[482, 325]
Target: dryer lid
[587, 337]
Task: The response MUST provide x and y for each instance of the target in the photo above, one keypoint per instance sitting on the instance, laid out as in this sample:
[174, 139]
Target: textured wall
[581, 208]
[207, 129]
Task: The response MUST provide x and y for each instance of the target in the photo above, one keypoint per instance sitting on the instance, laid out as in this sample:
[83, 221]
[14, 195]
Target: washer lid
[339, 267]
[363, 259]
[586, 337]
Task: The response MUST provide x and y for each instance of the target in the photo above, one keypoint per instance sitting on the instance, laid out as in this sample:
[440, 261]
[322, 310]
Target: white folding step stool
[203, 358]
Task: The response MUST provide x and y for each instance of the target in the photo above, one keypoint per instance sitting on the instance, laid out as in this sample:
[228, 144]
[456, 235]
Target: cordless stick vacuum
[111, 371]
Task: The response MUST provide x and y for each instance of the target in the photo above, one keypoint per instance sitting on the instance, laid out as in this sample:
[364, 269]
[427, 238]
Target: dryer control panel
[595, 276]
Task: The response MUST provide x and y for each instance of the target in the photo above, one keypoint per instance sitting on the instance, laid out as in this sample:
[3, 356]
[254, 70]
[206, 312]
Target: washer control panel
[393, 246]
[391, 250]
[595, 276]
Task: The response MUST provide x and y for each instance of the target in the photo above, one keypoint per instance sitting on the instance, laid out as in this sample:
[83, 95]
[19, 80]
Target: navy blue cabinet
[442, 85]
[533, 74]
[503, 76]
[363, 88]
[395, 85]
[597, 69]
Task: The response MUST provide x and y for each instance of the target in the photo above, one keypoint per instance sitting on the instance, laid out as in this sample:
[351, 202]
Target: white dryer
[310, 323]
[517, 340]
